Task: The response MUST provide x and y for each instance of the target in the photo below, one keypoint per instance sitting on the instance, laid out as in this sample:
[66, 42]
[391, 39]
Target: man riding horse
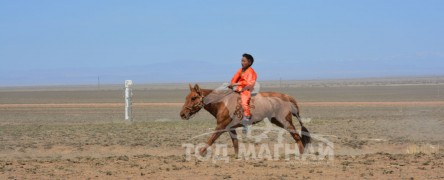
[244, 80]
[277, 107]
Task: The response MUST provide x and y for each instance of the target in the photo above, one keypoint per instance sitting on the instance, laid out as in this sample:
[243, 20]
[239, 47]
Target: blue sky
[72, 42]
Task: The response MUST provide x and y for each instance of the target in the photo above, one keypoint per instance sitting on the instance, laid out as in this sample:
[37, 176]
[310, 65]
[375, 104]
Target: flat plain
[386, 128]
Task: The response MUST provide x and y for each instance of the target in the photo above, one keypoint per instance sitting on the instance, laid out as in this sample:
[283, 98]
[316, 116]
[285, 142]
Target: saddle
[238, 112]
[256, 88]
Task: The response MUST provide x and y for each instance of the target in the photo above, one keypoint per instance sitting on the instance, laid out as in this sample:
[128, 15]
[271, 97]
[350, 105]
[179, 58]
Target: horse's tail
[304, 131]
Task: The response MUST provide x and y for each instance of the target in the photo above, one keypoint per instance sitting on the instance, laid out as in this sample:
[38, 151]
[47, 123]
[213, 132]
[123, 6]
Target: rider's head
[247, 60]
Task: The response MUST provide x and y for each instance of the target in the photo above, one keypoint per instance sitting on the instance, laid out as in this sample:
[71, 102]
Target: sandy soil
[107, 105]
[400, 138]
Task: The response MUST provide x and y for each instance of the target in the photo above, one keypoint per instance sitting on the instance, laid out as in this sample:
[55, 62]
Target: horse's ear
[191, 87]
[197, 89]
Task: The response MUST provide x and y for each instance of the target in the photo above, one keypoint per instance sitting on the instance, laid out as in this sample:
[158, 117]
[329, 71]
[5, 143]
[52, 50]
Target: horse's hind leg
[288, 125]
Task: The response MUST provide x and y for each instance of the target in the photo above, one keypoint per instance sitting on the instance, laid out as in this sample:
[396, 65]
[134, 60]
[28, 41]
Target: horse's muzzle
[184, 116]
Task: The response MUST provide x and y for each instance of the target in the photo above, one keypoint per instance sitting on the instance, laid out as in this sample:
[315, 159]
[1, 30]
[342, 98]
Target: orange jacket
[244, 79]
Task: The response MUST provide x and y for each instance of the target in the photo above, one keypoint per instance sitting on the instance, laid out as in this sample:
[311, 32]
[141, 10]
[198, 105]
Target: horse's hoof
[237, 157]
[202, 151]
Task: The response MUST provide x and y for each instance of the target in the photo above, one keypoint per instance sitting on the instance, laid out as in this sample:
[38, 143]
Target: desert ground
[385, 128]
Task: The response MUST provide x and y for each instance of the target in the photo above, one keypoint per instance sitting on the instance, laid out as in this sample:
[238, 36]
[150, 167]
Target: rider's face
[245, 62]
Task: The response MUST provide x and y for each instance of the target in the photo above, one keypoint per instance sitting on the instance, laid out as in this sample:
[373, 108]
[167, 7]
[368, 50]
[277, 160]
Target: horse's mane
[217, 95]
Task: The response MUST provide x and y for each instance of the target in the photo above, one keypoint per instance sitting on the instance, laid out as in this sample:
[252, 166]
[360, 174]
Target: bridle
[200, 105]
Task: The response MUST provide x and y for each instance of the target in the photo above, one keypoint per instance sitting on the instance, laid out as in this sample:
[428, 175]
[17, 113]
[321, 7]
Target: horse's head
[193, 102]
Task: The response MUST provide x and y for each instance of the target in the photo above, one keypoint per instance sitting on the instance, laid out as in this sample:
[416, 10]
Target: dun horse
[278, 108]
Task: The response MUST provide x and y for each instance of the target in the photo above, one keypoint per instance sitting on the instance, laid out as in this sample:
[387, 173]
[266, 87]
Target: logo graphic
[266, 142]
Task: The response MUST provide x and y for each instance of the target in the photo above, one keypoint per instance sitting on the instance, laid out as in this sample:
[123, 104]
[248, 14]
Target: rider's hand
[246, 88]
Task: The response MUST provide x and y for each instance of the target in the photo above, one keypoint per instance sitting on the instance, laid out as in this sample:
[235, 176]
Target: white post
[128, 100]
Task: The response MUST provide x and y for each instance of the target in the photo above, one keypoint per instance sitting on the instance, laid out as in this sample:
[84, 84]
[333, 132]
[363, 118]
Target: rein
[201, 103]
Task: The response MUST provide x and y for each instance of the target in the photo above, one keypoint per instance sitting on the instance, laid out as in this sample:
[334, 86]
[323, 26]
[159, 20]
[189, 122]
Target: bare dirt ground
[108, 105]
[387, 132]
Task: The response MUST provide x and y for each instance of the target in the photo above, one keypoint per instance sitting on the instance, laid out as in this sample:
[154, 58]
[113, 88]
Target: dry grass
[372, 140]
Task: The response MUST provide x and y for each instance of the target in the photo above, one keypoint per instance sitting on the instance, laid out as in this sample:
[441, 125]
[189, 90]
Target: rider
[244, 79]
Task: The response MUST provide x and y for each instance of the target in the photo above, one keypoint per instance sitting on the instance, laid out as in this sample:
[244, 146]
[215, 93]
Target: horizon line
[195, 82]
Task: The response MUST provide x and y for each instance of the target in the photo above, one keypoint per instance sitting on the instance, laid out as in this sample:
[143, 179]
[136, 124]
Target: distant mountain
[205, 71]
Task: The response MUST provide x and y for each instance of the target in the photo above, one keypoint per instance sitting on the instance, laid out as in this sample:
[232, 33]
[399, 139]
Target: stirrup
[246, 120]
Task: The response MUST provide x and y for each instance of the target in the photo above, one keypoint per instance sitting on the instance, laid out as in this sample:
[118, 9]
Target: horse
[277, 107]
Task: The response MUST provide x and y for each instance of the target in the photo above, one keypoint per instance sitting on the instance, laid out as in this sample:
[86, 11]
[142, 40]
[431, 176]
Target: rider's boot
[246, 120]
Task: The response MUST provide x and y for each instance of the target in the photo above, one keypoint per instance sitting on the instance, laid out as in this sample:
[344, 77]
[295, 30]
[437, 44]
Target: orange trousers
[245, 102]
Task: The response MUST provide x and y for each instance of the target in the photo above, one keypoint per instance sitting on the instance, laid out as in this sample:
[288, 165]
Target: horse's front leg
[235, 141]
[220, 128]
[232, 129]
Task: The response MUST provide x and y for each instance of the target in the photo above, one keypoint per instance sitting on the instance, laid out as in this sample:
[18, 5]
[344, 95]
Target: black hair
[249, 57]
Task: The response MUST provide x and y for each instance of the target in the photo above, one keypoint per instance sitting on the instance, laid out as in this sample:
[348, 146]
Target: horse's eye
[193, 98]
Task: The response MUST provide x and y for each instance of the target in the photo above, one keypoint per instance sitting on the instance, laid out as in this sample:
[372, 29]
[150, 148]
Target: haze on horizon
[73, 42]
